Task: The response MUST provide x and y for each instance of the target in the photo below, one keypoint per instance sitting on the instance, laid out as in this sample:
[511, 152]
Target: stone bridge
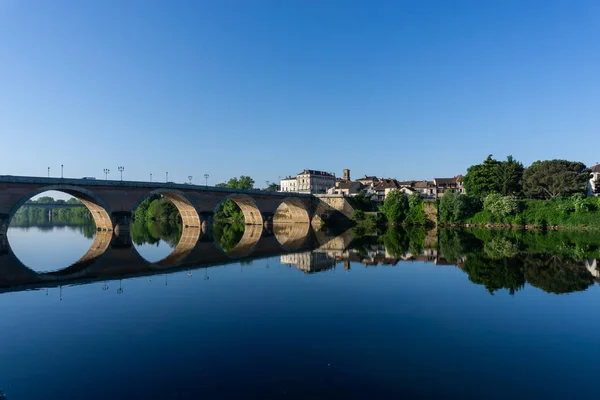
[112, 203]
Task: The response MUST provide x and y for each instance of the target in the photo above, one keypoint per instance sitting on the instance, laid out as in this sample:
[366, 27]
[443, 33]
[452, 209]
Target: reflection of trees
[152, 232]
[553, 275]
[396, 242]
[495, 274]
[73, 221]
[454, 244]
[228, 235]
[499, 248]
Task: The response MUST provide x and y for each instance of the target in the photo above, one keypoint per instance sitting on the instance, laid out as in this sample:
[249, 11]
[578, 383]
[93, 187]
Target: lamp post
[48, 172]
[190, 178]
[61, 170]
[206, 179]
[167, 175]
[150, 176]
[121, 169]
[106, 171]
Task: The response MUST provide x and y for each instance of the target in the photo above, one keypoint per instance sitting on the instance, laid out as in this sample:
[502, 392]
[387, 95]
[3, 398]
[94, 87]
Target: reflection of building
[308, 181]
[309, 262]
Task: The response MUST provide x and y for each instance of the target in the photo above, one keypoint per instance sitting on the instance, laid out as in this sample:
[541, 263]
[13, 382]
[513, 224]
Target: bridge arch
[292, 236]
[252, 214]
[291, 210]
[188, 212]
[98, 208]
[247, 243]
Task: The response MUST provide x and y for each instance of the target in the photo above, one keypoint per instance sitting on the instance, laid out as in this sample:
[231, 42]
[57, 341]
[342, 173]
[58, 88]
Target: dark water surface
[476, 315]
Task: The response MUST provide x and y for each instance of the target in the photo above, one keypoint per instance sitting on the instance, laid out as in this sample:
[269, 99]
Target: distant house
[308, 181]
[369, 181]
[427, 189]
[346, 188]
[384, 187]
[443, 185]
[593, 186]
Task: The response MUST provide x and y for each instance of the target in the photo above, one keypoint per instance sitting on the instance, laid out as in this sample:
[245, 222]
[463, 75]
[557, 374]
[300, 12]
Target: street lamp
[106, 171]
[206, 179]
[190, 178]
[167, 177]
[150, 176]
[61, 170]
[267, 185]
[121, 169]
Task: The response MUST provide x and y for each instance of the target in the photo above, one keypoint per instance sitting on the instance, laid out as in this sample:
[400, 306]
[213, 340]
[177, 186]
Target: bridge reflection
[115, 257]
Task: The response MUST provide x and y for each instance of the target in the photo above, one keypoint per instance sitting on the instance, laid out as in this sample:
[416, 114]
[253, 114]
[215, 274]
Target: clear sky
[408, 89]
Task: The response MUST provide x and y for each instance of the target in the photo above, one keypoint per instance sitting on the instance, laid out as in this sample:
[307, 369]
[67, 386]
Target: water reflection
[557, 262]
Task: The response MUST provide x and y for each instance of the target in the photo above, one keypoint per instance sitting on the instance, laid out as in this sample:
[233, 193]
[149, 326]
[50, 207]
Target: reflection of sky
[47, 250]
[154, 252]
[250, 331]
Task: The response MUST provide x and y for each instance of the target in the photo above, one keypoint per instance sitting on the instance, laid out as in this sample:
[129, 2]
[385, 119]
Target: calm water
[484, 315]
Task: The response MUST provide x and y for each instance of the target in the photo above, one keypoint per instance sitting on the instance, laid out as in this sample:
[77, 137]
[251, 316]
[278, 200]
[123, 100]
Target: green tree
[273, 187]
[508, 176]
[243, 182]
[552, 178]
[395, 207]
[456, 207]
[482, 179]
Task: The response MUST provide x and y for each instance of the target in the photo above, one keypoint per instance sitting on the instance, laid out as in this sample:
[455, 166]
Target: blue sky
[409, 89]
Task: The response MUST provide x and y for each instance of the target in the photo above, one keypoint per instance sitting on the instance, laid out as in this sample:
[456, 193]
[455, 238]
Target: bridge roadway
[112, 203]
[111, 257]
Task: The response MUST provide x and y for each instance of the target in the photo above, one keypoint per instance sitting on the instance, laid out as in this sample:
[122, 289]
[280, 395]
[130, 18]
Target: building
[426, 189]
[593, 186]
[443, 185]
[368, 181]
[384, 187]
[345, 186]
[308, 181]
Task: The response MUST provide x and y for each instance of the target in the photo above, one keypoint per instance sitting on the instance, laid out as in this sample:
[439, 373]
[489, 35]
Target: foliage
[229, 211]
[243, 182]
[228, 235]
[361, 202]
[508, 177]
[396, 241]
[395, 207]
[358, 216]
[500, 206]
[454, 207]
[556, 276]
[551, 178]
[152, 232]
[482, 179]
[273, 187]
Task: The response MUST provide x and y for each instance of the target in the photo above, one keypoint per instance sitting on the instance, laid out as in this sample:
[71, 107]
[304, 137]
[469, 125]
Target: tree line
[547, 193]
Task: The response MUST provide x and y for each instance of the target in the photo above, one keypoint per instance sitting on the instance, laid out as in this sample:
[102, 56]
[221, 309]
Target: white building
[593, 186]
[308, 181]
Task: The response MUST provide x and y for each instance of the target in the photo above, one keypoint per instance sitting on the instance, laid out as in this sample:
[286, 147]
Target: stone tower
[347, 174]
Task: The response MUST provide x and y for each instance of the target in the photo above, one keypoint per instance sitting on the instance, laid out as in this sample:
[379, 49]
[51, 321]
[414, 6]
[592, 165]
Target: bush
[499, 206]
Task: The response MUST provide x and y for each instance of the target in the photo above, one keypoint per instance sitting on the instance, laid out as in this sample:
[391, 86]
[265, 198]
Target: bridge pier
[268, 220]
[206, 222]
[4, 222]
[121, 221]
[4, 246]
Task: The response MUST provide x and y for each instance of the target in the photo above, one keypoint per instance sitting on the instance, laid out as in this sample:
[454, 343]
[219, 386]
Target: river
[405, 314]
